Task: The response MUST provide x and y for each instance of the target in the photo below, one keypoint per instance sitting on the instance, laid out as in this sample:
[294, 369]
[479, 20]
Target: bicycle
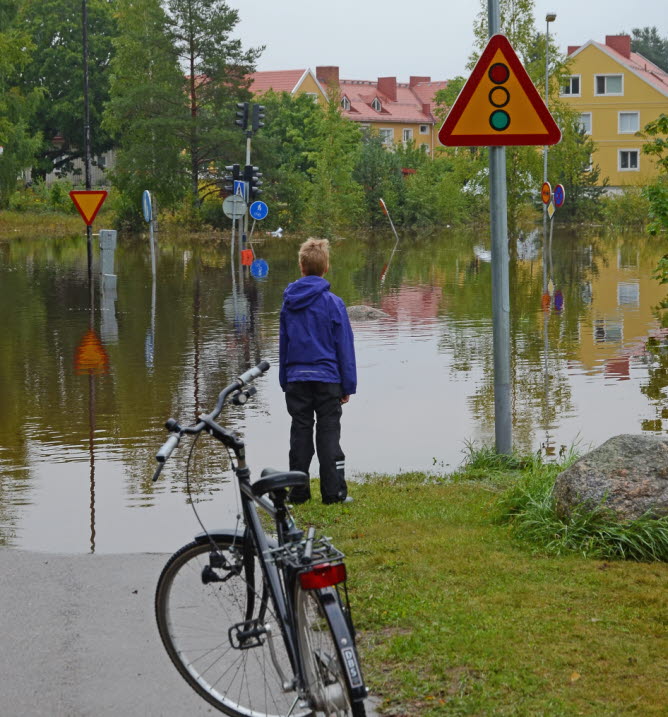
[259, 625]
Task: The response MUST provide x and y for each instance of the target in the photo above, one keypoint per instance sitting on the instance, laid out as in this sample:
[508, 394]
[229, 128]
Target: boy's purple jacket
[315, 340]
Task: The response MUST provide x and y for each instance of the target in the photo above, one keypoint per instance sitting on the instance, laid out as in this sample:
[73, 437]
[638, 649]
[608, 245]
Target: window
[585, 122]
[312, 95]
[387, 135]
[407, 135]
[571, 86]
[608, 85]
[376, 104]
[345, 103]
[590, 166]
[424, 147]
[628, 293]
[628, 160]
[424, 129]
[629, 122]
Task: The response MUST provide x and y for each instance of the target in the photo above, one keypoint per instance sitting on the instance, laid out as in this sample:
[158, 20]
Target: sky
[367, 39]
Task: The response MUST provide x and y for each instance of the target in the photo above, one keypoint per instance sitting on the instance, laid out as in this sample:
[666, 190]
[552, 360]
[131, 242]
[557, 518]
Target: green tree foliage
[657, 192]
[335, 200]
[17, 141]
[378, 171]
[571, 163]
[145, 108]
[56, 67]
[285, 152]
[650, 44]
[216, 69]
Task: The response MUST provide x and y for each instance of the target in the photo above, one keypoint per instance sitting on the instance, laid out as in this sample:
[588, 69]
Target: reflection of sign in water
[149, 352]
[90, 356]
[237, 309]
[259, 269]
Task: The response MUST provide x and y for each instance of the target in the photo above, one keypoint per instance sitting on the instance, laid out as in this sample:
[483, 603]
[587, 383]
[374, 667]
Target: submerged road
[79, 639]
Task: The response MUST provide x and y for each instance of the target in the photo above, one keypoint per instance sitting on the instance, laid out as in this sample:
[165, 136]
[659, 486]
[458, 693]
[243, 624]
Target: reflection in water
[584, 369]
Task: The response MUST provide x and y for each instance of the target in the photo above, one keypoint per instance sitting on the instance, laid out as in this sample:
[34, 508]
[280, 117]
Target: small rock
[365, 313]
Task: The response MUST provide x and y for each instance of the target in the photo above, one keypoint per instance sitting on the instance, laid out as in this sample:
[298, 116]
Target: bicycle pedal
[245, 635]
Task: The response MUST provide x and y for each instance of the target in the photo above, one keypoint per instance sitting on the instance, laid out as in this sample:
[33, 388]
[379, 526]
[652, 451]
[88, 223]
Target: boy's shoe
[347, 499]
[298, 498]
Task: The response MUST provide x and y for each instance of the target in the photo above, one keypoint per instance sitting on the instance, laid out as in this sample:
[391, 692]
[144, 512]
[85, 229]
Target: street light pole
[550, 17]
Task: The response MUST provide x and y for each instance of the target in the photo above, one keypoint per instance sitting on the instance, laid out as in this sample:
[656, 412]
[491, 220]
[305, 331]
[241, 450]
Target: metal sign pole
[500, 283]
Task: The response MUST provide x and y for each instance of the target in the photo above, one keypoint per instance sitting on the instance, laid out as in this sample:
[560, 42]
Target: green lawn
[457, 618]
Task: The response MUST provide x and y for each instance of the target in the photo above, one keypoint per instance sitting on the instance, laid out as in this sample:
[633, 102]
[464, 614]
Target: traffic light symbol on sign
[499, 105]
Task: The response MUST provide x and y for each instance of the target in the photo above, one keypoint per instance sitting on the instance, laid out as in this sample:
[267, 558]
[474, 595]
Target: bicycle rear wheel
[328, 683]
[218, 627]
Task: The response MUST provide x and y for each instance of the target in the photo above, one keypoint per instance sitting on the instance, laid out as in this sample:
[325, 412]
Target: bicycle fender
[345, 643]
[225, 533]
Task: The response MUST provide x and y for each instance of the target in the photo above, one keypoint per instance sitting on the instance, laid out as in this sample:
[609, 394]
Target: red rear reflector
[323, 576]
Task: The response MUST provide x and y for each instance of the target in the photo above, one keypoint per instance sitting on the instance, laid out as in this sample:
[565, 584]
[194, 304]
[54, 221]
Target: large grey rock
[627, 474]
[364, 313]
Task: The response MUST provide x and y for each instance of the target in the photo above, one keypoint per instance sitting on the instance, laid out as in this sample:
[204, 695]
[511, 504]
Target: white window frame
[387, 136]
[619, 160]
[608, 94]
[590, 122]
[345, 103]
[407, 134]
[376, 105]
[619, 122]
[424, 129]
[569, 93]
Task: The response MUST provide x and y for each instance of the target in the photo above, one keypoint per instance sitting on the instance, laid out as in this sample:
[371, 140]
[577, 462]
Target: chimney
[416, 80]
[388, 87]
[572, 49]
[620, 43]
[328, 76]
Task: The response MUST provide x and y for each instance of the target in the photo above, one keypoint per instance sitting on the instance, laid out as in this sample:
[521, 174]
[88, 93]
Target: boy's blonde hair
[314, 257]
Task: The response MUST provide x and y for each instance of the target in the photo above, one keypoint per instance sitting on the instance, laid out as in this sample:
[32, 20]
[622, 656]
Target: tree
[657, 192]
[216, 78]
[18, 143]
[650, 44]
[145, 109]
[335, 199]
[56, 68]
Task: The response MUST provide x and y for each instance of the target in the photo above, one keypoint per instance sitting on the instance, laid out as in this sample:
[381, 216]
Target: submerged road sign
[88, 203]
[499, 105]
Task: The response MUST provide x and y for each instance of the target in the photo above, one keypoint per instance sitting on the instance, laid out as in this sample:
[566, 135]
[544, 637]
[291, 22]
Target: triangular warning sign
[499, 105]
[88, 203]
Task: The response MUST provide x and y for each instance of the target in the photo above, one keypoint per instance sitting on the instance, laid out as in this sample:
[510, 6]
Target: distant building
[616, 92]
[400, 112]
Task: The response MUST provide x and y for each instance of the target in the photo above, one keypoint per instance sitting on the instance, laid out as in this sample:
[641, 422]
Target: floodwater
[85, 394]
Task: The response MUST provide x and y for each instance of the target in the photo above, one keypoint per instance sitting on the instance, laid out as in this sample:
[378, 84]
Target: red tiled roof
[413, 104]
[278, 80]
[638, 64]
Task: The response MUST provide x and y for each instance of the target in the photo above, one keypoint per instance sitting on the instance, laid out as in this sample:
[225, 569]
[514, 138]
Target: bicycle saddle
[272, 480]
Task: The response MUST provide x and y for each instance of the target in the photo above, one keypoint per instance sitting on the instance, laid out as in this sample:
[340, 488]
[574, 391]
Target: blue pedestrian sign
[146, 205]
[259, 210]
[241, 188]
[259, 269]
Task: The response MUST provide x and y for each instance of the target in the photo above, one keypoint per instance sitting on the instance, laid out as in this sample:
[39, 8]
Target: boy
[317, 372]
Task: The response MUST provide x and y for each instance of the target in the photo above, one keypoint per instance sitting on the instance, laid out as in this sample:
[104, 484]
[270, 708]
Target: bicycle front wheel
[327, 681]
[219, 629]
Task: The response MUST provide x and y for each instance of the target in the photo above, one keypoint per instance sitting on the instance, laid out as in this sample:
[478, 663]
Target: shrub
[628, 209]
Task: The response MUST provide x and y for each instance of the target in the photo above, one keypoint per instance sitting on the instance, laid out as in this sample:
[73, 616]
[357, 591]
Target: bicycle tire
[327, 680]
[199, 624]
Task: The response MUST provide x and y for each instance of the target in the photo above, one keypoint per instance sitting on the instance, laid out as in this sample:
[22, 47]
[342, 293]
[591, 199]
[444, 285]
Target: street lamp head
[551, 16]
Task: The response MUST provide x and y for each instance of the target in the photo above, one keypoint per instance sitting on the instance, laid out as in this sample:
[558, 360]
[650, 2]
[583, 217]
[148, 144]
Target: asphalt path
[79, 639]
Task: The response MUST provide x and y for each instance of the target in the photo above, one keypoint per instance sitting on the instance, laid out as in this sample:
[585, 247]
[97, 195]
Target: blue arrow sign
[146, 205]
[259, 210]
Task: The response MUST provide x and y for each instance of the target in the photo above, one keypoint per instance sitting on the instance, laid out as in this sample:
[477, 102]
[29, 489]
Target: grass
[14, 225]
[457, 617]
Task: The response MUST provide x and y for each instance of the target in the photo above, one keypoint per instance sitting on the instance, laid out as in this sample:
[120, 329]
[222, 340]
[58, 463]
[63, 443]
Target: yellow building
[401, 112]
[616, 92]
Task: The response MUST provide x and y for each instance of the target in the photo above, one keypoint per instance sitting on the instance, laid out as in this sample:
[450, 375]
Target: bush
[42, 198]
[626, 210]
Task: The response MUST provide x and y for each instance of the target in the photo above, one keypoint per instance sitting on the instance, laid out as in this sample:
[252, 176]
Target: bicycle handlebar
[206, 420]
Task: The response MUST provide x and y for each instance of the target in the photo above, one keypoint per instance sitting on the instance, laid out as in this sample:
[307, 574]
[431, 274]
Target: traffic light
[242, 115]
[258, 116]
[499, 96]
[252, 176]
[234, 174]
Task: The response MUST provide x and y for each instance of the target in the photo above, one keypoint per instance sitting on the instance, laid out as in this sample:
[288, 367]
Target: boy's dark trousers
[316, 402]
